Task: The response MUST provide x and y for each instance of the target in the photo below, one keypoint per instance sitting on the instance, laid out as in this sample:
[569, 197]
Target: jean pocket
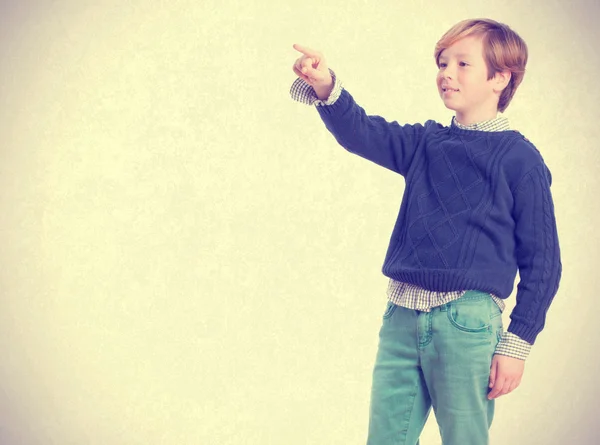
[499, 333]
[470, 316]
[389, 309]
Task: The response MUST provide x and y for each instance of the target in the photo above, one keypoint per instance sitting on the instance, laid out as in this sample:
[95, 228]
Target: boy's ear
[502, 78]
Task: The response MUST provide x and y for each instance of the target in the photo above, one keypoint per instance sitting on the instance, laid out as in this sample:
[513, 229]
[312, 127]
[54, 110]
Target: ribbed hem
[445, 281]
[341, 102]
[527, 333]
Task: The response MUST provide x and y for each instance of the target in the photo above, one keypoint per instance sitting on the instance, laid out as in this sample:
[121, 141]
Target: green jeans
[441, 360]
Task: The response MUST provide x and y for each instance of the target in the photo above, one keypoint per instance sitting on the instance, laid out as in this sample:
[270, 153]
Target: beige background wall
[188, 257]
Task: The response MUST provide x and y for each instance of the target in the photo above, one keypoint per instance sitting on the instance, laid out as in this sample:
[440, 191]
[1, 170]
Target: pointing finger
[306, 51]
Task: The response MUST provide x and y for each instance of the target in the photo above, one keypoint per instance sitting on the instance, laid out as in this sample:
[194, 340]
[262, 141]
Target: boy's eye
[443, 65]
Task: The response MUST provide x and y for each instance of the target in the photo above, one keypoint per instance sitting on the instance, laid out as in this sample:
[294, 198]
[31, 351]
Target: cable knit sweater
[477, 207]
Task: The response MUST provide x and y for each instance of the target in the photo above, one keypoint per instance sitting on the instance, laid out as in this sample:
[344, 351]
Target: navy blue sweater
[476, 208]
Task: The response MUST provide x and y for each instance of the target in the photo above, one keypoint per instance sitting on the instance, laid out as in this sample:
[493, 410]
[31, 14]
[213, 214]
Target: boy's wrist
[302, 91]
[324, 91]
[334, 94]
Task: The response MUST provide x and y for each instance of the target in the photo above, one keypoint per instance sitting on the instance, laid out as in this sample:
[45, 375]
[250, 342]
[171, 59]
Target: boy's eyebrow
[457, 55]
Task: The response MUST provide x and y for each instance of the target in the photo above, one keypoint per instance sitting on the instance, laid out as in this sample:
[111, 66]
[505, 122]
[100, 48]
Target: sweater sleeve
[390, 145]
[537, 251]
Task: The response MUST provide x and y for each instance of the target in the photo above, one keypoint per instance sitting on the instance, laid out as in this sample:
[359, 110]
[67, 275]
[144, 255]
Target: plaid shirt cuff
[304, 93]
[513, 346]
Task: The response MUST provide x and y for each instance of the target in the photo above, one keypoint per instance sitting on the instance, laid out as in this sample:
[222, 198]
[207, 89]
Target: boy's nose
[448, 74]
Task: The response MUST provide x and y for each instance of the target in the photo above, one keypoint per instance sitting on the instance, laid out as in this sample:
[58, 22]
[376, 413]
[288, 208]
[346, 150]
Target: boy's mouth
[448, 89]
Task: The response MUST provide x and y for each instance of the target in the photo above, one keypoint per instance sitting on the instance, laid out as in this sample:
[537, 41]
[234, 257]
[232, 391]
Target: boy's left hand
[505, 375]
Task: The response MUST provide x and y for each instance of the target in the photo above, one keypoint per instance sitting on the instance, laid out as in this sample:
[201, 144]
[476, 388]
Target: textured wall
[188, 257]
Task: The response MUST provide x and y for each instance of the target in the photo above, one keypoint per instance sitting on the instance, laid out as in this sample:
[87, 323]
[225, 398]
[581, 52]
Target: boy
[476, 208]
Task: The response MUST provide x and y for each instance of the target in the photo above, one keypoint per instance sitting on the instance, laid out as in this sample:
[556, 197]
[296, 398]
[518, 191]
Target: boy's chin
[450, 107]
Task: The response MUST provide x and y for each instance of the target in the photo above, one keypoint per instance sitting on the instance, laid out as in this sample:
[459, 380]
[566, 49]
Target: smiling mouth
[448, 89]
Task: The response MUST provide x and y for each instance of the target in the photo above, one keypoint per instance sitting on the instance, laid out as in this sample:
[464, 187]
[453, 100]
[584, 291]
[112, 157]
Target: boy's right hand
[312, 68]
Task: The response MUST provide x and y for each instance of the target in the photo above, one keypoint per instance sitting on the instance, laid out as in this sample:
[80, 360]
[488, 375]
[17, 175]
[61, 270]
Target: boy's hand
[505, 375]
[312, 68]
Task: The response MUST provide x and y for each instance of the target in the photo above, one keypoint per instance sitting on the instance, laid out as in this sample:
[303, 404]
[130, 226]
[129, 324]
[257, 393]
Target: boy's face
[463, 68]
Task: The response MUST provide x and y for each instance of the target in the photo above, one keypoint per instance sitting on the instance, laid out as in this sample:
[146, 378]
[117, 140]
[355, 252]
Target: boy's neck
[467, 121]
[485, 112]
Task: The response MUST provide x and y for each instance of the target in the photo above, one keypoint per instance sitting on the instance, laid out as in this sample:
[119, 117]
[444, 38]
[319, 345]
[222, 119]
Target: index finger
[496, 389]
[306, 51]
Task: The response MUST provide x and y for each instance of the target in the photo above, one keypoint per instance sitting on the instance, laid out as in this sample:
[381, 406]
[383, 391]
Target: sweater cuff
[514, 346]
[522, 330]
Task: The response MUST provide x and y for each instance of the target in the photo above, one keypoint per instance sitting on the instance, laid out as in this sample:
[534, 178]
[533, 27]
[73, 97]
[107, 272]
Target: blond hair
[503, 50]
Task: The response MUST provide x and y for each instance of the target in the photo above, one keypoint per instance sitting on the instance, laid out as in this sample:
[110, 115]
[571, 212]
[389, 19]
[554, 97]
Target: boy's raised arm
[387, 144]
